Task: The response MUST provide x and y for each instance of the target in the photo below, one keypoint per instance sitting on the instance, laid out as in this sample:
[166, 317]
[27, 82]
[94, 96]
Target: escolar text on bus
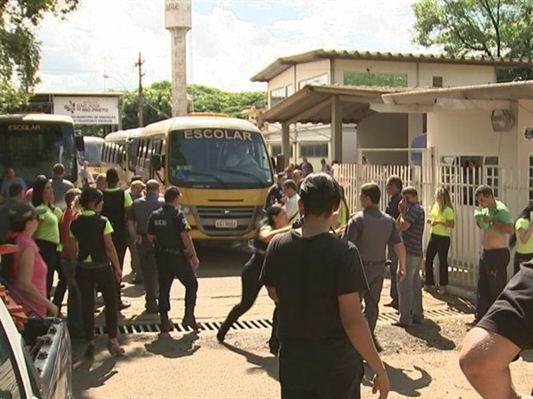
[24, 127]
[216, 134]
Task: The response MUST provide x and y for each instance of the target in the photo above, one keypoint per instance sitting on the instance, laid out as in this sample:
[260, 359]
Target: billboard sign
[88, 110]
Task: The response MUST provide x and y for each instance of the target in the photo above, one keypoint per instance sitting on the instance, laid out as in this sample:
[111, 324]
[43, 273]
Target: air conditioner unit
[501, 120]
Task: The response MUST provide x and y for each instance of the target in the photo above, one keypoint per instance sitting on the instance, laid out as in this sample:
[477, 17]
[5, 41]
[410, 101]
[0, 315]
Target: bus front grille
[221, 221]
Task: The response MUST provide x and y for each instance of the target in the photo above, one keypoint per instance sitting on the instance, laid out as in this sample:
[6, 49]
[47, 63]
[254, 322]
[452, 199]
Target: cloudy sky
[231, 40]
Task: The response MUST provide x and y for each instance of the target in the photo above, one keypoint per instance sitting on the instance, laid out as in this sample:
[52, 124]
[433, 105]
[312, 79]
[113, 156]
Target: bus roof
[123, 134]
[18, 118]
[93, 139]
[198, 122]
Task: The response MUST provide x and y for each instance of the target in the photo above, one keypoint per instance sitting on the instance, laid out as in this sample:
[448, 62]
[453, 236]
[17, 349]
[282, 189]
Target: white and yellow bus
[92, 154]
[116, 153]
[221, 166]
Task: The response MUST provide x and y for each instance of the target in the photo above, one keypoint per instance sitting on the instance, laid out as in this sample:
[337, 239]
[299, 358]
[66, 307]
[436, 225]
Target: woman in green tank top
[522, 239]
[47, 236]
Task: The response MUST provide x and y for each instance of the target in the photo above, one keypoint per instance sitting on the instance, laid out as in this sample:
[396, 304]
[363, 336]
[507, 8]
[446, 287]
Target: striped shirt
[412, 237]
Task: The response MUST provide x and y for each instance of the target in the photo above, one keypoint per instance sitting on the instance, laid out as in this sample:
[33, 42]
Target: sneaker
[115, 349]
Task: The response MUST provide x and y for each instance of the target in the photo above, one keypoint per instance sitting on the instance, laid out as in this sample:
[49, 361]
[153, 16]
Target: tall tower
[178, 22]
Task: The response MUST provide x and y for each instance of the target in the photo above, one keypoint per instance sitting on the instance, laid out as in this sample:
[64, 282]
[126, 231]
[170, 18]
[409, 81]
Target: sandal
[115, 349]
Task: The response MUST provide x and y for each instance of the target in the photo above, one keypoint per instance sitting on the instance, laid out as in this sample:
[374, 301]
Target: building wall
[311, 70]
[456, 75]
[421, 74]
[525, 146]
[385, 67]
[469, 133]
[383, 131]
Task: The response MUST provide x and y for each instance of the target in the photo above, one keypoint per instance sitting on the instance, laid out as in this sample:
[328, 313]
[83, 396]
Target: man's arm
[485, 359]
[399, 249]
[356, 328]
[506, 228]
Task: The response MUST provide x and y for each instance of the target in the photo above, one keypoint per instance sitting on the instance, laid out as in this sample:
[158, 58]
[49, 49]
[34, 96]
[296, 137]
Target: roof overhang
[466, 97]
[313, 104]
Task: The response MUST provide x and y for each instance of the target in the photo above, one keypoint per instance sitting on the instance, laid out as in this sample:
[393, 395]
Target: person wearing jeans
[441, 221]
[411, 223]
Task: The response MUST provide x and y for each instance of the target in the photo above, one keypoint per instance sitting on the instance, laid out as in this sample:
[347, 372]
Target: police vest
[167, 235]
[89, 231]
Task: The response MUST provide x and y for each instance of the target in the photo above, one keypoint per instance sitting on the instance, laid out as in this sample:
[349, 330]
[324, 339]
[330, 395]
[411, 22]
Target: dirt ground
[422, 361]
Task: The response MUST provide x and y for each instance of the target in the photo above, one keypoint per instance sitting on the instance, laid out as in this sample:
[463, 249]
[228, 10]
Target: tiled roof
[284, 63]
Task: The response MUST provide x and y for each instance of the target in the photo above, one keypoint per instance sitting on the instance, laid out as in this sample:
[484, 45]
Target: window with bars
[278, 95]
[438, 81]
[314, 150]
[317, 80]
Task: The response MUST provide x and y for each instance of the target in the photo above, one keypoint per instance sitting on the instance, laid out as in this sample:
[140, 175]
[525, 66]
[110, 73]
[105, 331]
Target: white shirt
[291, 206]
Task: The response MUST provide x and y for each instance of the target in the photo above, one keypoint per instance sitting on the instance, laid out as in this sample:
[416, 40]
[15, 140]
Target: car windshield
[33, 148]
[218, 158]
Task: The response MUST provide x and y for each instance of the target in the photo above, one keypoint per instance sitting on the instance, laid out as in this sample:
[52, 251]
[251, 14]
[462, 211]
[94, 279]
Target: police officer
[175, 257]
[140, 212]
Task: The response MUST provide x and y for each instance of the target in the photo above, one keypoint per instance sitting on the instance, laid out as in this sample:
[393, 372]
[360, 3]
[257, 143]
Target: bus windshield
[93, 152]
[32, 148]
[216, 158]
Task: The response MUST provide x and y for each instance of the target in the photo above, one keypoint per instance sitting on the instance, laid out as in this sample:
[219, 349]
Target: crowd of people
[318, 263]
[82, 234]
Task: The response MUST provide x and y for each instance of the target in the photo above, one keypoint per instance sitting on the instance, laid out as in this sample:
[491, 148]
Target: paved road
[421, 363]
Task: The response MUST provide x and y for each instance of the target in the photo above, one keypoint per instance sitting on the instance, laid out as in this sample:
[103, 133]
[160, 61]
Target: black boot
[190, 321]
[223, 330]
[166, 326]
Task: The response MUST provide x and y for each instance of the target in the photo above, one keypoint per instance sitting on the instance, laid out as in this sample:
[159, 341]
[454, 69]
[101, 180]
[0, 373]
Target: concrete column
[286, 142]
[336, 129]
[179, 71]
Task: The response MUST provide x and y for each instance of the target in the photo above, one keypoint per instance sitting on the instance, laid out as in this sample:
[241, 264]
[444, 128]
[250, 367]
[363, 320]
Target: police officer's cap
[171, 193]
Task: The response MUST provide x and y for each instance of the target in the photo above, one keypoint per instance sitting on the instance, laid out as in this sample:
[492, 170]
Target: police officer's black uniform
[166, 224]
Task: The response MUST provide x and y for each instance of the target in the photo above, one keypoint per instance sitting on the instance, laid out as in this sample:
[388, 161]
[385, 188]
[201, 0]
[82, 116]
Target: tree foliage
[493, 28]
[158, 102]
[19, 48]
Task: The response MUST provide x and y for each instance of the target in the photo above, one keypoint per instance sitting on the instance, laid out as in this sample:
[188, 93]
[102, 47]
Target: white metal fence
[510, 186]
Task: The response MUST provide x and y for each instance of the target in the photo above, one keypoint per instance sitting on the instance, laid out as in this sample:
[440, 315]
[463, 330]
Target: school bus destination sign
[88, 110]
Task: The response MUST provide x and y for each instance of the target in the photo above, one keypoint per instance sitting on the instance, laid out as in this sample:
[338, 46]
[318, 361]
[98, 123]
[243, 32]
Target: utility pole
[140, 100]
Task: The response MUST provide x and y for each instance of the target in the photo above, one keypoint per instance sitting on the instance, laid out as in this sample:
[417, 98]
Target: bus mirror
[273, 162]
[156, 162]
[80, 144]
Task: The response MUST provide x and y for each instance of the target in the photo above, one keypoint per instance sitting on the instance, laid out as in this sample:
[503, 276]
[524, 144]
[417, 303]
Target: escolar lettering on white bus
[218, 134]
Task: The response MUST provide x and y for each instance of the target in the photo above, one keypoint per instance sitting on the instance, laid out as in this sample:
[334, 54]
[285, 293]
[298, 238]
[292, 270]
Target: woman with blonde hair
[442, 219]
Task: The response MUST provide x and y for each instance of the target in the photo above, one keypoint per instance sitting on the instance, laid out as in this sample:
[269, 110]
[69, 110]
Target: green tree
[158, 102]
[492, 28]
[19, 48]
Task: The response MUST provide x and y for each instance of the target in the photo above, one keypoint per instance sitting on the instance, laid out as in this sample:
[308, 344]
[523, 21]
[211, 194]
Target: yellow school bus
[116, 153]
[221, 166]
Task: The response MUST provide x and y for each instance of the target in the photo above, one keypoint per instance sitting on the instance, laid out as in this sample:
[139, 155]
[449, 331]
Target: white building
[385, 72]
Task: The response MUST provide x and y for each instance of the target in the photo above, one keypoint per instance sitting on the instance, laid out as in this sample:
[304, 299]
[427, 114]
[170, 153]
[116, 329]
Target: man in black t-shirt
[317, 281]
[498, 338]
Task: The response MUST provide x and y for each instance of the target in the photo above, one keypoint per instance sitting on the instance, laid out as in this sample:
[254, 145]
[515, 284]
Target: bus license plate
[226, 224]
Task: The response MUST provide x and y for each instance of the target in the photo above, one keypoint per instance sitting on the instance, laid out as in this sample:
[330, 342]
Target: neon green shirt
[527, 247]
[48, 229]
[108, 229]
[498, 213]
[447, 215]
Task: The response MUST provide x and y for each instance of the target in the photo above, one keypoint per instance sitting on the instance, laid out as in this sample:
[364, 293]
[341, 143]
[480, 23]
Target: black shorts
[511, 316]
